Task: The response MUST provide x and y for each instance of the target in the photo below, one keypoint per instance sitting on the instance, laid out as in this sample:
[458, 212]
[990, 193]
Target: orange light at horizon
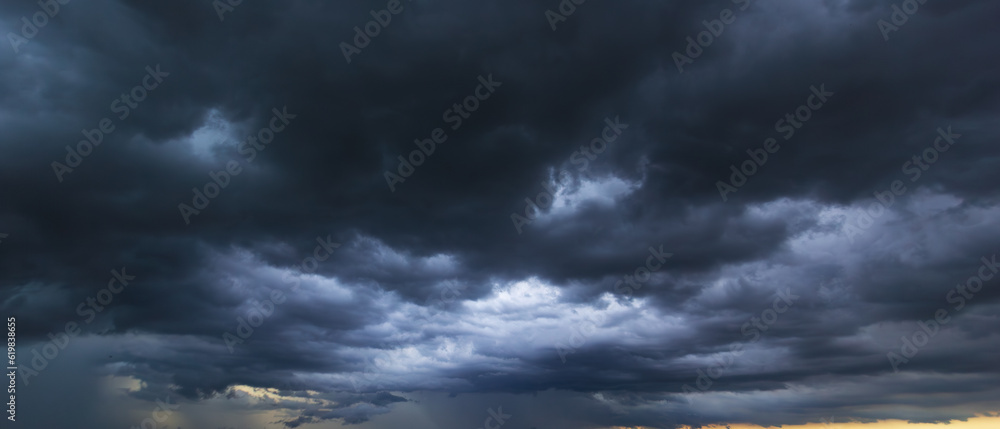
[978, 422]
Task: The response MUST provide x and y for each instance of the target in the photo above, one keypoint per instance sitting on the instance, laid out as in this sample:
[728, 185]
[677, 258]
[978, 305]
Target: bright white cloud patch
[215, 132]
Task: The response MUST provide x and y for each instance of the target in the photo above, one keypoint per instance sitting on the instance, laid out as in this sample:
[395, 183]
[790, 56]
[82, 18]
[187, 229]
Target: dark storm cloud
[433, 287]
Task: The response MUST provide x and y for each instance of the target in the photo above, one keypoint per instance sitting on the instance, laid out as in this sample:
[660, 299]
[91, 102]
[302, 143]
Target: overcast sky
[519, 214]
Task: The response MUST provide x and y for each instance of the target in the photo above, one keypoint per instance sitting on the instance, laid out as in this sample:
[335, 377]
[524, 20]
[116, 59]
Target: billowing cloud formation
[666, 213]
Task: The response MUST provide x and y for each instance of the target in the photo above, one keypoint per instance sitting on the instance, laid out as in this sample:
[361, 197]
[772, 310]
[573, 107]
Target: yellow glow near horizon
[979, 422]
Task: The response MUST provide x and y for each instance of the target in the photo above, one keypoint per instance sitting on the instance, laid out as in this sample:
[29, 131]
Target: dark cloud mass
[580, 248]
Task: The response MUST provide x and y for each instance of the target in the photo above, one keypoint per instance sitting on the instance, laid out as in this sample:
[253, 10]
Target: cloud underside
[518, 263]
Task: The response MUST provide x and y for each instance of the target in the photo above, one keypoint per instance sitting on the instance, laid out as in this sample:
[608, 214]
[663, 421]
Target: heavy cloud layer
[445, 283]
